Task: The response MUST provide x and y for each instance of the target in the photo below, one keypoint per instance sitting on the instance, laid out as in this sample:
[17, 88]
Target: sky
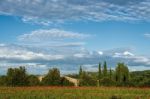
[64, 34]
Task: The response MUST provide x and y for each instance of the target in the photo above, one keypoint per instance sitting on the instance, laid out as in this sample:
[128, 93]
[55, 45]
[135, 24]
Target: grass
[73, 93]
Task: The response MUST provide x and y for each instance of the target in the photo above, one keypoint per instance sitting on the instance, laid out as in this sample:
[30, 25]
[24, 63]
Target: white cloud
[136, 68]
[36, 21]
[80, 55]
[100, 52]
[1, 45]
[142, 59]
[65, 58]
[73, 44]
[20, 54]
[58, 11]
[51, 34]
[127, 53]
[32, 68]
[123, 54]
[147, 35]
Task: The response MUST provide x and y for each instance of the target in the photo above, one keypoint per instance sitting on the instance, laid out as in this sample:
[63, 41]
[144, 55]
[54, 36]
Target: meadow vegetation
[103, 77]
[74, 93]
[103, 84]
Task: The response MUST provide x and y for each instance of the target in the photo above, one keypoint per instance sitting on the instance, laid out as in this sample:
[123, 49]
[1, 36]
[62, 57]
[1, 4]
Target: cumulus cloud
[17, 54]
[63, 55]
[147, 35]
[51, 34]
[32, 68]
[58, 11]
[125, 53]
[53, 48]
[65, 59]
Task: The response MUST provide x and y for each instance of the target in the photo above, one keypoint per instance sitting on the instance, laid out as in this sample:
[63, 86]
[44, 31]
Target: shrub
[107, 82]
[2, 80]
[87, 80]
[33, 80]
[52, 78]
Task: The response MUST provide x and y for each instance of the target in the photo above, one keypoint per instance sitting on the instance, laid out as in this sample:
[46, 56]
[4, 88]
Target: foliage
[3, 80]
[107, 82]
[105, 69]
[33, 80]
[140, 78]
[87, 80]
[16, 77]
[118, 77]
[80, 72]
[122, 73]
[99, 71]
[110, 74]
[52, 78]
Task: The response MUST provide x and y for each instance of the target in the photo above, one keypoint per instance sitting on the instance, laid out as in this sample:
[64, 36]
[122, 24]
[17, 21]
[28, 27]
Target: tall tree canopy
[52, 78]
[105, 69]
[122, 73]
[80, 72]
[17, 77]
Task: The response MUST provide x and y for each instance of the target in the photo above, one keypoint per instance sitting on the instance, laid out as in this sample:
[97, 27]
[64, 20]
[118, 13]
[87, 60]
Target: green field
[73, 93]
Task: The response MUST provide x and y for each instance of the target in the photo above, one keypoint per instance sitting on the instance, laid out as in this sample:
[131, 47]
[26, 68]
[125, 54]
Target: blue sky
[42, 34]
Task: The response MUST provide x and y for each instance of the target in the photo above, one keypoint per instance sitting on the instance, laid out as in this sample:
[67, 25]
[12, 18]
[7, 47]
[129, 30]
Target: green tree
[106, 81]
[105, 69]
[17, 77]
[33, 80]
[99, 72]
[122, 73]
[80, 72]
[110, 73]
[52, 78]
[87, 80]
[3, 80]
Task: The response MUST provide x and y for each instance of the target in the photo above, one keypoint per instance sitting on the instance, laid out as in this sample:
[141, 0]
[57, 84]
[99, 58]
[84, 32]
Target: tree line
[120, 76]
[19, 77]
[105, 77]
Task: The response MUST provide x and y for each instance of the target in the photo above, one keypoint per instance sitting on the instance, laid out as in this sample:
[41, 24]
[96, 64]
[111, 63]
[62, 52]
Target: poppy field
[74, 93]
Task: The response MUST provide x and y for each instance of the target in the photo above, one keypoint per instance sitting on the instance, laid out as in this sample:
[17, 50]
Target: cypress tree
[99, 72]
[105, 69]
[110, 75]
[118, 72]
[80, 72]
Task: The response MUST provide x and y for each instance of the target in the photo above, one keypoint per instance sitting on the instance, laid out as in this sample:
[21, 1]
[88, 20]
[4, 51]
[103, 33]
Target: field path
[73, 80]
